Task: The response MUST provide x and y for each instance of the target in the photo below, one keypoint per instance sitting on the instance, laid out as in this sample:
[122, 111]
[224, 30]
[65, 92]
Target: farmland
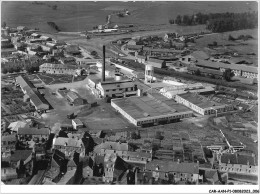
[79, 16]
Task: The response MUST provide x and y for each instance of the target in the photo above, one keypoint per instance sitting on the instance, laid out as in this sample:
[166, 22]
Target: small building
[131, 42]
[72, 50]
[8, 174]
[141, 59]
[46, 38]
[87, 167]
[74, 98]
[202, 105]
[156, 62]
[21, 28]
[134, 47]
[76, 123]
[14, 126]
[35, 36]
[111, 147]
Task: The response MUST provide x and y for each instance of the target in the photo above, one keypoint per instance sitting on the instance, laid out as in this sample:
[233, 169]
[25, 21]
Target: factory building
[201, 104]
[150, 110]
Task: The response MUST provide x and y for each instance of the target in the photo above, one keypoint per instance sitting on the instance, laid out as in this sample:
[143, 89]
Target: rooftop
[20, 155]
[238, 159]
[199, 100]
[70, 142]
[170, 166]
[149, 106]
[33, 131]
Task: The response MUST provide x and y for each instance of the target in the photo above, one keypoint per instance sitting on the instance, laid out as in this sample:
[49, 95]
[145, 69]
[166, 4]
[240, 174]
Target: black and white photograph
[120, 95]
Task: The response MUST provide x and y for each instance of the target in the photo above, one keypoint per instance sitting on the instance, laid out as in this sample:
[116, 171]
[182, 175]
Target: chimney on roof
[104, 63]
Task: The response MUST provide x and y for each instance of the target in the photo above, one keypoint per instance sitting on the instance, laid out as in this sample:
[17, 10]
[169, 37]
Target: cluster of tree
[240, 37]
[31, 68]
[11, 68]
[3, 24]
[219, 22]
[54, 7]
[53, 25]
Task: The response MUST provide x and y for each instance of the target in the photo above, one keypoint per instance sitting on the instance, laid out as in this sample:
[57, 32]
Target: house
[72, 50]
[42, 133]
[166, 170]
[8, 145]
[136, 157]
[14, 126]
[58, 68]
[21, 28]
[45, 38]
[240, 163]
[69, 146]
[156, 63]
[22, 160]
[114, 147]
[210, 175]
[35, 36]
[74, 98]
[76, 123]
[87, 167]
[58, 166]
[141, 59]
[8, 174]
[114, 168]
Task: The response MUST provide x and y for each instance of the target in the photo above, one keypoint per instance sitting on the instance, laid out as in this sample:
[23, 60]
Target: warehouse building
[37, 100]
[74, 98]
[150, 110]
[202, 105]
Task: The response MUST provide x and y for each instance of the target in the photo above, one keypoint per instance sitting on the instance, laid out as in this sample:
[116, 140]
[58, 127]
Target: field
[241, 47]
[79, 16]
[50, 79]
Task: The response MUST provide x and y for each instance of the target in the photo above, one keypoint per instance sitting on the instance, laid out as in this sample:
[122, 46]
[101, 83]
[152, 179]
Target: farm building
[74, 98]
[201, 104]
[58, 68]
[39, 102]
[76, 123]
[151, 109]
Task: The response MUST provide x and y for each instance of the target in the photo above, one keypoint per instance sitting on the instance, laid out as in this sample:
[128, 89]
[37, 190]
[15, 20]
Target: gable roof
[238, 159]
[20, 155]
[33, 131]
[111, 146]
[8, 138]
[155, 60]
[70, 142]
[170, 166]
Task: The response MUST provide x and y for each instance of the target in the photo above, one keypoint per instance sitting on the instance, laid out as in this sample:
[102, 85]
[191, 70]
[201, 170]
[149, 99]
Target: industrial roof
[199, 100]
[149, 106]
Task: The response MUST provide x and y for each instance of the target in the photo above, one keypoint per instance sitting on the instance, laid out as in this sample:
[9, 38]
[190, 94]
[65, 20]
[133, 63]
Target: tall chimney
[103, 65]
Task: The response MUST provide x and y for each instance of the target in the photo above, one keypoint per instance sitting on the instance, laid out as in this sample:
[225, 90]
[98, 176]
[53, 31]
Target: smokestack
[104, 63]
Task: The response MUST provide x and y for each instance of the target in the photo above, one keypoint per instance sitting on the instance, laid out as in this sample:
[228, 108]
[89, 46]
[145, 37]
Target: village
[159, 111]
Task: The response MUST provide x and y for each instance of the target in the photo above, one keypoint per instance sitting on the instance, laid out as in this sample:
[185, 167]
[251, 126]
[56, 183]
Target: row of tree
[15, 67]
[220, 22]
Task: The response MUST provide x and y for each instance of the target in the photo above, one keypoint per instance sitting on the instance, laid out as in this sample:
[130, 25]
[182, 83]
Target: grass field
[79, 16]
[50, 79]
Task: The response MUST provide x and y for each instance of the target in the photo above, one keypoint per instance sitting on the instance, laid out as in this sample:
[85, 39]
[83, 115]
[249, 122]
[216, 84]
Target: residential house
[8, 144]
[69, 146]
[210, 175]
[14, 126]
[166, 170]
[112, 147]
[58, 166]
[22, 160]
[141, 59]
[239, 163]
[46, 38]
[8, 174]
[114, 168]
[137, 157]
[87, 167]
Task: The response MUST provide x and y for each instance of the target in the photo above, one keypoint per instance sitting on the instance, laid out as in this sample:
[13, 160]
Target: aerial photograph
[129, 93]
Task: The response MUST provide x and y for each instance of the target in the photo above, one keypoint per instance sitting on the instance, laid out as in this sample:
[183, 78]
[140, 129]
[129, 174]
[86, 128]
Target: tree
[231, 38]
[54, 7]
[4, 70]
[197, 72]
[178, 20]
[3, 24]
[228, 74]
